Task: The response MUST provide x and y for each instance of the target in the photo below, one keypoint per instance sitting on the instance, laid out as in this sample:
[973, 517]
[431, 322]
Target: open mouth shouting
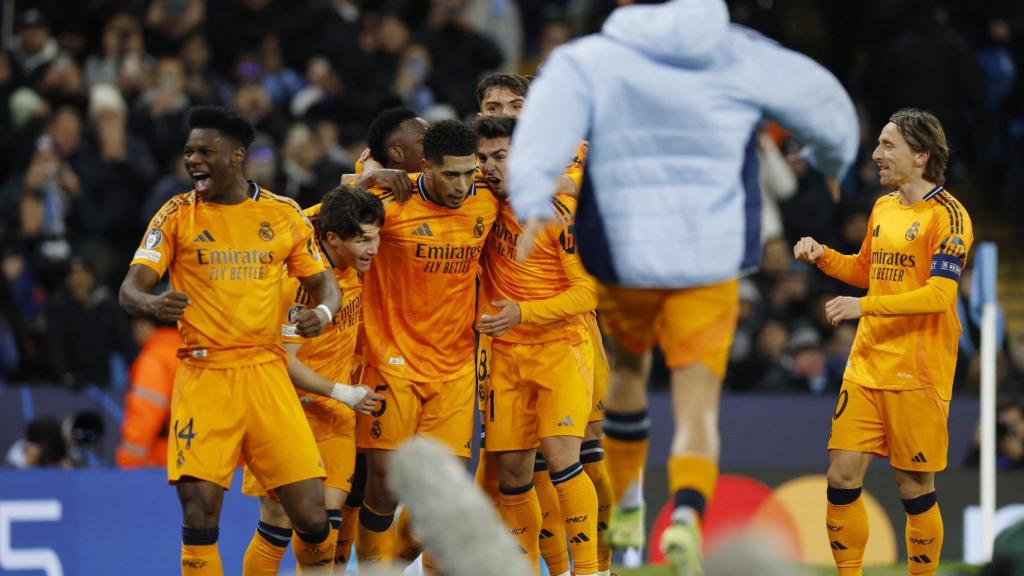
[202, 181]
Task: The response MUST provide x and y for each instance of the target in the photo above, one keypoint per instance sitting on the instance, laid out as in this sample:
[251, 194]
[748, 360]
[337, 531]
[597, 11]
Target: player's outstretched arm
[134, 296]
[325, 298]
[359, 398]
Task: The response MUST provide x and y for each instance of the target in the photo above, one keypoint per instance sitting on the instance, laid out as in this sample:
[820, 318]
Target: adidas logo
[919, 458]
[922, 559]
[837, 545]
[567, 421]
[423, 230]
[544, 533]
[579, 538]
[204, 237]
[601, 527]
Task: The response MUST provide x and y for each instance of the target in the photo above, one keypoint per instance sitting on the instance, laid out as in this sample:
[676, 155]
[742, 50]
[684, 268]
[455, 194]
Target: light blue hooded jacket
[668, 96]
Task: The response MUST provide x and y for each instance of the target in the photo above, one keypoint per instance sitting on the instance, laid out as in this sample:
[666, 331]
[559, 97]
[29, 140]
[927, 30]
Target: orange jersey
[419, 295]
[910, 262]
[229, 260]
[551, 286]
[331, 353]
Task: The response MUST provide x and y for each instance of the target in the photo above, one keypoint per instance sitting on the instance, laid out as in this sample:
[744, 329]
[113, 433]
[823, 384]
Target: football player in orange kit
[898, 382]
[539, 385]
[418, 319]
[225, 244]
[503, 94]
[347, 224]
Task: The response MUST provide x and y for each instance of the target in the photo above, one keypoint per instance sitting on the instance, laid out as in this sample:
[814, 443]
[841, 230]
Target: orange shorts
[600, 368]
[442, 410]
[252, 412]
[690, 324]
[334, 428]
[537, 391]
[907, 426]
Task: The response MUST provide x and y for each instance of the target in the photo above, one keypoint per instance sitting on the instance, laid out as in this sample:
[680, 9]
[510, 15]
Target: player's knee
[196, 514]
[841, 475]
[377, 495]
[309, 518]
[515, 473]
[913, 485]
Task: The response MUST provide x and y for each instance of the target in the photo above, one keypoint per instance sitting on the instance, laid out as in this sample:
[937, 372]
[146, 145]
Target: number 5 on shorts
[379, 389]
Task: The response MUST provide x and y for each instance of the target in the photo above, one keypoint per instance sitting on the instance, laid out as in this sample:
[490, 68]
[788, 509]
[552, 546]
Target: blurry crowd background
[94, 94]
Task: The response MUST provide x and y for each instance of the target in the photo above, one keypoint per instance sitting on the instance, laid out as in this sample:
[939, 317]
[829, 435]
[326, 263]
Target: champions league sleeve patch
[947, 266]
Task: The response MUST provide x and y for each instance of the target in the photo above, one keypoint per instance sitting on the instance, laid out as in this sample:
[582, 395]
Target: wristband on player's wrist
[326, 311]
[348, 395]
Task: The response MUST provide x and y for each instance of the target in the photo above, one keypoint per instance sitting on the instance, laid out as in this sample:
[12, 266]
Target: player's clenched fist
[169, 306]
[310, 322]
[808, 250]
[842, 308]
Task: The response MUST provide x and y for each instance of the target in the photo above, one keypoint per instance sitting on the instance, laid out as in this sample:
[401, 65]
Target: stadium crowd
[93, 99]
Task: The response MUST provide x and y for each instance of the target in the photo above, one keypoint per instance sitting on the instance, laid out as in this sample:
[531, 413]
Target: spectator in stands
[254, 102]
[148, 402]
[169, 22]
[34, 49]
[203, 84]
[1009, 438]
[85, 328]
[159, 115]
[459, 54]
[306, 172]
[122, 58]
[116, 169]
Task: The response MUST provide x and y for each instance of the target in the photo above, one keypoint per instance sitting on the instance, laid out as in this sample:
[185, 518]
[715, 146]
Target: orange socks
[847, 523]
[924, 534]
[691, 481]
[267, 547]
[625, 446]
[520, 510]
[375, 540]
[199, 553]
[578, 502]
[552, 529]
[592, 457]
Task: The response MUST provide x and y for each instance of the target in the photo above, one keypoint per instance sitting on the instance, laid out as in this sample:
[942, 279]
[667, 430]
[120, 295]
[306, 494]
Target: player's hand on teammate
[397, 181]
[169, 306]
[368, 403]
[842, 308]
[808, 250]
[310, 322]
[505, 319]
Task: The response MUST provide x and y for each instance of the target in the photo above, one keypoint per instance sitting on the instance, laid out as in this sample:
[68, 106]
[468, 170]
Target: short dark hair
[923, 132]
[229, 122]
[488, 127]
[382, 128]
[515, 83]
[448, 138]
[345, 209]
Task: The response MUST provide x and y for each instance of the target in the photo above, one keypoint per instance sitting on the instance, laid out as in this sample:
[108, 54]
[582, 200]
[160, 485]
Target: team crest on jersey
[478, 230]
[153, 238]
[375, 430]
[293, 313]
[912, 231]
[266, 232]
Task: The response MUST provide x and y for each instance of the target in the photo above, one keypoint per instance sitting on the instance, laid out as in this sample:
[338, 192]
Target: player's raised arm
[853, 269]
[326, 296]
